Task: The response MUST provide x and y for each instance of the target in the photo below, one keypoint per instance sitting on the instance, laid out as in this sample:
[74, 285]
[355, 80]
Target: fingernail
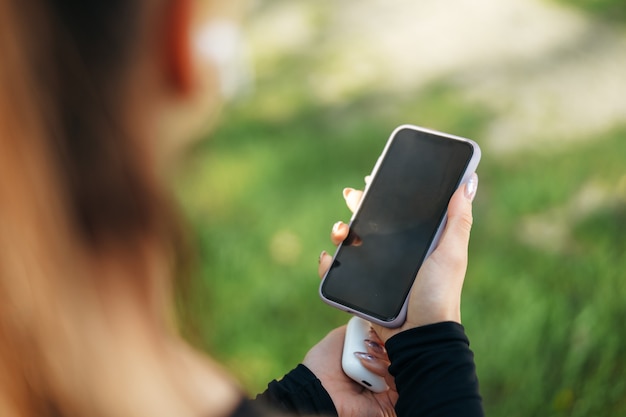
[377, 347]
[347, 191]
[365, 356]
[471, 186]
[321, 256]
[336, 227]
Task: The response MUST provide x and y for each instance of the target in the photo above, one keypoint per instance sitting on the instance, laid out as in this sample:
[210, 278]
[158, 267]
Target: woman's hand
[436, 294]
[350, 398]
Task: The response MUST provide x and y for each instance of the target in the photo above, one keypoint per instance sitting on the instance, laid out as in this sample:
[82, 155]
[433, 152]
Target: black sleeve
[434, 371]
[300, 393]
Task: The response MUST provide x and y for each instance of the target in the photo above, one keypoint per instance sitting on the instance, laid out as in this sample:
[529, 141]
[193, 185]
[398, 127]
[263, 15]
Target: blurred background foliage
[538, 84]
[613, 10]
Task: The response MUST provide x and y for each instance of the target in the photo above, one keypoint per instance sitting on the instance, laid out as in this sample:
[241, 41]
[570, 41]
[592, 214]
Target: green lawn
[544, 302]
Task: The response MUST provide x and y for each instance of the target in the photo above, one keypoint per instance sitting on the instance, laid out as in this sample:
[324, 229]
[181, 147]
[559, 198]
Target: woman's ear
[179, 57]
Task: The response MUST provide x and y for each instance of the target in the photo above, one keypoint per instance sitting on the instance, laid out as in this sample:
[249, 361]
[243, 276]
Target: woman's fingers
[340, 229]
[455, 240]
[324, 263]
[375, 359]
[339, 232]
[373, 336]
[376, 354]
[352, 197]
[372, 363]
[337, 235]
[378, 366]
[376, 349]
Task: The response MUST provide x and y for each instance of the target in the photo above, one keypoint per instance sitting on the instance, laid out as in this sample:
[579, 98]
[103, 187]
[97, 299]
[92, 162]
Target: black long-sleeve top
[434, 373]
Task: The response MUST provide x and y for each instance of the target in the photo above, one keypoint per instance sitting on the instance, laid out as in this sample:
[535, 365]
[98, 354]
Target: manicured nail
[471, 186]
[365, 356]
[321, 256]
[376, 347]
[336, 227]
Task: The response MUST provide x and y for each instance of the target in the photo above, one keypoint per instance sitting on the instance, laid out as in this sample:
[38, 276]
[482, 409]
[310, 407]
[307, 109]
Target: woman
[88, 239]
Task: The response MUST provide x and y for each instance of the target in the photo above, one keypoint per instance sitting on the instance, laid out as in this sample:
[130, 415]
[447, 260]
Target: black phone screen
[390, 236]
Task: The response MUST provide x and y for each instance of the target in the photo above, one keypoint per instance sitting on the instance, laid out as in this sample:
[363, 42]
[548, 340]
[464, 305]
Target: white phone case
[356, 333]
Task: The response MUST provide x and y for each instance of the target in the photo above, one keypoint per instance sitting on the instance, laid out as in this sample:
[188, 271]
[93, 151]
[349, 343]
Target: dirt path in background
[547, 72]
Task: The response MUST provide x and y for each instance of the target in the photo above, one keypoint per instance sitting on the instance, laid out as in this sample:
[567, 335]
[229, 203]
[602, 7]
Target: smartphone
[398, 223]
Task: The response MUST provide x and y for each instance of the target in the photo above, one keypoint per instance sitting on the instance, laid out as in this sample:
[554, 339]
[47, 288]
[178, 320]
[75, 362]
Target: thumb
[455, 239]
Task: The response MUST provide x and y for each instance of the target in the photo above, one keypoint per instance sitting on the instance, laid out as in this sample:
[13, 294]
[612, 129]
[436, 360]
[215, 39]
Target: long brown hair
[75, 183]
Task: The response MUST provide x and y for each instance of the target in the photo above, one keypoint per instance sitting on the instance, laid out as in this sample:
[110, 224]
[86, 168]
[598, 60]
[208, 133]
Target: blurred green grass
[610, 10]
[544, 303]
